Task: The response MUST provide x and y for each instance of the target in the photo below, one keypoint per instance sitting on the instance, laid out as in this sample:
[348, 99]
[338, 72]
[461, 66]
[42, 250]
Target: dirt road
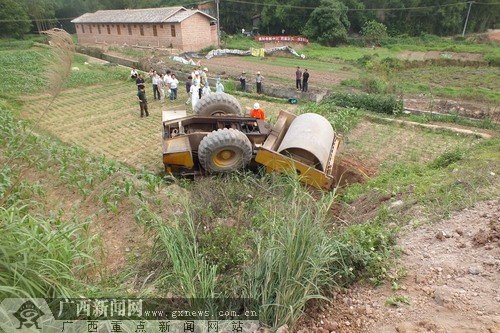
[453, 271]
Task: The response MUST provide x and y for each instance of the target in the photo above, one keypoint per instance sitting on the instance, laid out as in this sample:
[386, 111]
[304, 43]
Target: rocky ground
[452, 283]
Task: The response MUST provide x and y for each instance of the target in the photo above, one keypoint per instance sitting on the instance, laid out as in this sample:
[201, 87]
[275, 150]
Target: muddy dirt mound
[470, 109]
[453, 269]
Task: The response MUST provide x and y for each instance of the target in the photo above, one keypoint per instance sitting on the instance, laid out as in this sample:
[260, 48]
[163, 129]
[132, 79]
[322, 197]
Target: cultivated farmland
[85, 164]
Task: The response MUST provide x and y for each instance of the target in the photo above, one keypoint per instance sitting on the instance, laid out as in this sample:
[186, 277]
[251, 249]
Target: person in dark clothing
[298, 78]
[143, 102]
[258, 80]
[305, 79]
[139, 82]
[243, 81]
[189, 81]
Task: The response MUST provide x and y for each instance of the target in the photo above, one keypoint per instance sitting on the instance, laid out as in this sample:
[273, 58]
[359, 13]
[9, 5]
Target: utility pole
[466, 19]
[218, 23]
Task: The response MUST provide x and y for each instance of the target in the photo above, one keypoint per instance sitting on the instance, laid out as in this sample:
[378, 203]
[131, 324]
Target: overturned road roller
[218, 139]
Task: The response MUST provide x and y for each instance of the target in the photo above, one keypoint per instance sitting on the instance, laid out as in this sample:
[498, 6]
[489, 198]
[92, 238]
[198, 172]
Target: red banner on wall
[281, 39]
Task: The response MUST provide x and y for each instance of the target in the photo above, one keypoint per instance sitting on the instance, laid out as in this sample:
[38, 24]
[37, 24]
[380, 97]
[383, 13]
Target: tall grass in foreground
[292, 264]
[38, 259]
[268, 238]
[195, 277]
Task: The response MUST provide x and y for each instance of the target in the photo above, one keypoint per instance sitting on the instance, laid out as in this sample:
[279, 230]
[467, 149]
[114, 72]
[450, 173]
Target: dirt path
[234, 66]
[452, 283]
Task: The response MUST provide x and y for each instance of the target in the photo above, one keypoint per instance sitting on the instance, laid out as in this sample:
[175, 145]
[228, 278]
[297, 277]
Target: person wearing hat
[257, 112]
[258, 81]
[243, 81]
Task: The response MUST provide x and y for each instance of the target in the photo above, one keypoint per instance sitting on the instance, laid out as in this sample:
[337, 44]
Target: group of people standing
[163, 85]
[258, 82]
[301, 79]
[197, 86]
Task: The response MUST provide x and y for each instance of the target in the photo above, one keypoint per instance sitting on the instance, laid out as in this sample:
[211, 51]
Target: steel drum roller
[310, 136]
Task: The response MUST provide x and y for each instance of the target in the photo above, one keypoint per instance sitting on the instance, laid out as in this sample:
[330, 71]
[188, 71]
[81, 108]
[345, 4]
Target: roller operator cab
[217, 138]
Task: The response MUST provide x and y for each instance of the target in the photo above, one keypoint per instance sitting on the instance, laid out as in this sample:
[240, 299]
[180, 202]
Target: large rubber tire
[217, 104]
[224, 150]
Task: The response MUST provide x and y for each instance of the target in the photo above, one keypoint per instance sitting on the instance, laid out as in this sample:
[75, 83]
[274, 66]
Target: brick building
[167, 27]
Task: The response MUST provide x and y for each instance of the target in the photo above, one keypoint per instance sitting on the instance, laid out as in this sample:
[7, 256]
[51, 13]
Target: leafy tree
[14, 21]
[483, 16]
[235, 16]
[288, 15]
[373, 32]
[328, 23]
[42, 12]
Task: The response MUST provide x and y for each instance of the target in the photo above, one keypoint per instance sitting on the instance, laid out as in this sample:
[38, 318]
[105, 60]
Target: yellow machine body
[307, 148]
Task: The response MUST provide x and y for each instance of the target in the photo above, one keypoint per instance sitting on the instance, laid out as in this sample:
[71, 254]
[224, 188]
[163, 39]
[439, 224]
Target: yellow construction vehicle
[218, 139]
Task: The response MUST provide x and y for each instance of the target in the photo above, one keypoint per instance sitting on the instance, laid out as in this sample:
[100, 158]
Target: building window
[142, 29]
[93, 25]
[99, 29]
[155, 32]
[130, 30]
[172, 30]
[83, 28]
[109, 30]
[90, 28]
[118, 30]
[161, 26]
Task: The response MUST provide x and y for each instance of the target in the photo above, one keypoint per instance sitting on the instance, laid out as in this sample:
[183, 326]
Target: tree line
[326, 21]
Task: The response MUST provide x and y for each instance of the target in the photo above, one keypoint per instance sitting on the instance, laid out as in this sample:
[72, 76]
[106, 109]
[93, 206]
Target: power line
[294, 7]
[359, 9]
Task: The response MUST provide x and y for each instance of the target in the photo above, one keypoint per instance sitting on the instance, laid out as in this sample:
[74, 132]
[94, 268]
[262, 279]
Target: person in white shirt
[133, 73]
[194, 91]
[161, 88]
[154, 79]
[174, 83]
[168, 79]
[219, 87]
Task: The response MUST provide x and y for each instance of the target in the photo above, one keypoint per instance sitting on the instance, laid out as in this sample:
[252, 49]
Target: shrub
[366, 249]
[373, 84]
[342, 119]
[373, 102]
[373, 32]
[224, 246]
[447, 159]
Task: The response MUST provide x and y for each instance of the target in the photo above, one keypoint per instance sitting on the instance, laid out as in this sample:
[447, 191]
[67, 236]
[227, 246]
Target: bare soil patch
[494, 35]
[452, 283]
[470, 109]
[422, 56]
